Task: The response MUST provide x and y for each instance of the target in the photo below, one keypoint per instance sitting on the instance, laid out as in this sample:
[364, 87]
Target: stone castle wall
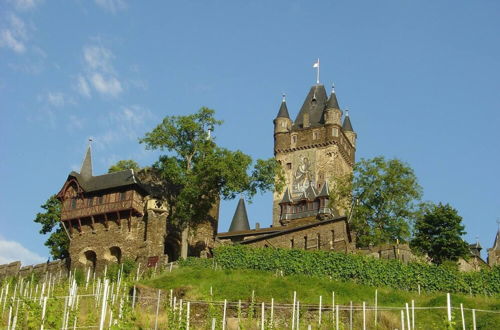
[13, 269]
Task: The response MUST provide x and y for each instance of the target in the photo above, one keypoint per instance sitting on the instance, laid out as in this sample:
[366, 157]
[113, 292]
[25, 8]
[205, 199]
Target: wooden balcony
[77, 213]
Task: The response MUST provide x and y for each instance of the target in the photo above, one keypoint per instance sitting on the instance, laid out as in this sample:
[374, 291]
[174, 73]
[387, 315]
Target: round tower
[349, 132]
[282, 126]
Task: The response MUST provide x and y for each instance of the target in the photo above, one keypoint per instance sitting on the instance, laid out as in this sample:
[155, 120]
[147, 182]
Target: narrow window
[319, 241]
[73, 203]
[294, 139]
[315, 135]
[123, 196]
[90, 201]
[101, 200]
[292, 243]
[305, 242]
[333, 238]
[335, 131]
[289, 166]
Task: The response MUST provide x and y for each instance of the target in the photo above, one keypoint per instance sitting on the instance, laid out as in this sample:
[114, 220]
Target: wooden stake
[262, 317]
[224, 315]
[448, 306]
[333, 306]
[337, 318]
[188, 310]
[402, 320]
[319, 313]
[133, 297]
[157, 309]
[298, 315]
[350, 316]
[463, 318]
[293, 309]
[364, 316]
[103, 307]
[376, 305]
[474, 319]
[413, 314]
[271, 325]
[408, 316]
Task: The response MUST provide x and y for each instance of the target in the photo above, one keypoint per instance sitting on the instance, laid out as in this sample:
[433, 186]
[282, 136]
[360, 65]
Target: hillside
[196, 283]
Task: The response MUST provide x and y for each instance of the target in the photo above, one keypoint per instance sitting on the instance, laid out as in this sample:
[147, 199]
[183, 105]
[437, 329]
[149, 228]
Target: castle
[125, 214]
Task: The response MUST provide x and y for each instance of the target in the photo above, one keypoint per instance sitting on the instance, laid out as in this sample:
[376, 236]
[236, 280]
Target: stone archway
[115, 254]
[89, 259]
[172, 247]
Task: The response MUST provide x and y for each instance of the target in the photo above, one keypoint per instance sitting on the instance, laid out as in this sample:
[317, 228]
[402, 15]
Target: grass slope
[234, 285]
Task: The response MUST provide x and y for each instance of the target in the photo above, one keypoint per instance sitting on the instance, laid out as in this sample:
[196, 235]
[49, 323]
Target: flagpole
[317, 75]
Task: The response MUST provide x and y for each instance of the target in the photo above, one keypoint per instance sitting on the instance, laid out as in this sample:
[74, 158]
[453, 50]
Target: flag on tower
[316, 64]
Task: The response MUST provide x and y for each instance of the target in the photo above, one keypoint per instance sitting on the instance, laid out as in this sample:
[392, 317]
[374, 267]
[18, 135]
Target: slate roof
[325, 191]
[496, 244]
[287, 197]
[314, 105]
[240, 218]
[106, 181]
[347, 126]
[283, 111]
[332, 101]
[86, 170]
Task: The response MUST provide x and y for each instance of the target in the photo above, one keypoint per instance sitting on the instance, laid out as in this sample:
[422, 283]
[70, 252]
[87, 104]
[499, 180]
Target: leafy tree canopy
[126, 164]
[58, 241]
[385, 195]
[438, 232]
[202, 170]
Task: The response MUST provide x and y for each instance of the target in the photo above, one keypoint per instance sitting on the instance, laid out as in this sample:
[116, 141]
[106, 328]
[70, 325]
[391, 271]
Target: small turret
[282, 122]
[349, 132]
[332, 114]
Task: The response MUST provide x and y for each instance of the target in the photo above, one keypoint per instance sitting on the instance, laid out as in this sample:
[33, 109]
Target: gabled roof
[105, 181]
[240, 218]
[314, 105]
[325, 191]
[310, 193]
[347, 126]
[283, 111]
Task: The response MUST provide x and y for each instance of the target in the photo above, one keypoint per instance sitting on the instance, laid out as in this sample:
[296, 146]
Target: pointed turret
[310, 193]
[86, 170]
[283, 111]
[240, 218]
[347, 126]
[332, 101]
[311, 113]
[287, 197]
[325, 191]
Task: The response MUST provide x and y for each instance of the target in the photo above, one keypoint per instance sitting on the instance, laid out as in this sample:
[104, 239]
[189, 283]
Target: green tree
[199, 171]
[439, 234]
[126, 164]
[50, 219]
[381, 197]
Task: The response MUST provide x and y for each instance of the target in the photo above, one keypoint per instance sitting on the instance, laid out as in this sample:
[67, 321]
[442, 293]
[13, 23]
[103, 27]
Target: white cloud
[111, 5]
[13, 35]
[82, 86]
[58, 99]
[25, 4]
[98, 58]
[13, 251]
[106, 85]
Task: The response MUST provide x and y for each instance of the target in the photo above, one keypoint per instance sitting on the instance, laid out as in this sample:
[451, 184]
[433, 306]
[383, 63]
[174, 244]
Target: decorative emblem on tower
[303, 177]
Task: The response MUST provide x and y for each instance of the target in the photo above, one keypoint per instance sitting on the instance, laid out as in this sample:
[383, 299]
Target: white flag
[316, 64]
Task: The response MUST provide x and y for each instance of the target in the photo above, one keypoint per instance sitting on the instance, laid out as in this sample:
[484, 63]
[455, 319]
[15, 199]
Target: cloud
[57, 99]
[106, 85]
[12, 251]
[111, 5]
[13, 34]
[25, 4]
[82, 86]
[98, 58]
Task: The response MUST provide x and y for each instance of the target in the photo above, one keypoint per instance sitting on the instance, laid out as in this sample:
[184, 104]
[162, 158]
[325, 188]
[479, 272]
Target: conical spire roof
[325, 191]
[287, 197]
[86, 170]
[496, 244]
[240, 218]
[314, 105]
[332, 101]
[283, 111]
[347, 126]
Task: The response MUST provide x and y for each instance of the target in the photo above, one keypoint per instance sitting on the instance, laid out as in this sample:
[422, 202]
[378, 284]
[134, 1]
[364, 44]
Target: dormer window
[294, 139]
[335, 131]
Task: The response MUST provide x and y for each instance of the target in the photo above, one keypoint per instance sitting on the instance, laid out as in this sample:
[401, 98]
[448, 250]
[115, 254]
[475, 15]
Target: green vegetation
[50, 219]
[439, 234]
[360, 269]
[195, 281]
[126, 164]
[385, 195]
[199, 171]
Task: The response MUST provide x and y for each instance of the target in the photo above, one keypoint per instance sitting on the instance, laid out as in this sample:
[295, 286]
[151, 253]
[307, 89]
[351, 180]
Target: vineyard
[218, 293]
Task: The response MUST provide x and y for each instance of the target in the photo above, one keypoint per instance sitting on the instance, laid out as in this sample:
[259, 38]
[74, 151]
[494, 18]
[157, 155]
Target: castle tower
[313, 150]
[494, 251]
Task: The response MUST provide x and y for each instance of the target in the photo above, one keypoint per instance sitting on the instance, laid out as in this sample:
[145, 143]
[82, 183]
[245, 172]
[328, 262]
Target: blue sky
[421, 80]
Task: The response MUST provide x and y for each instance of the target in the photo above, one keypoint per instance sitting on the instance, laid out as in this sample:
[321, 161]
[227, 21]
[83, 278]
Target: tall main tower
[313, 150]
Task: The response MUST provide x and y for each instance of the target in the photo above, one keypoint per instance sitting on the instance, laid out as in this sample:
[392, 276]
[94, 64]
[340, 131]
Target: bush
[361, 269]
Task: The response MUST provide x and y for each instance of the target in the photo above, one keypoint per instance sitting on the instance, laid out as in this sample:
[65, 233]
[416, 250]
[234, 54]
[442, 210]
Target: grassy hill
[196, 283]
